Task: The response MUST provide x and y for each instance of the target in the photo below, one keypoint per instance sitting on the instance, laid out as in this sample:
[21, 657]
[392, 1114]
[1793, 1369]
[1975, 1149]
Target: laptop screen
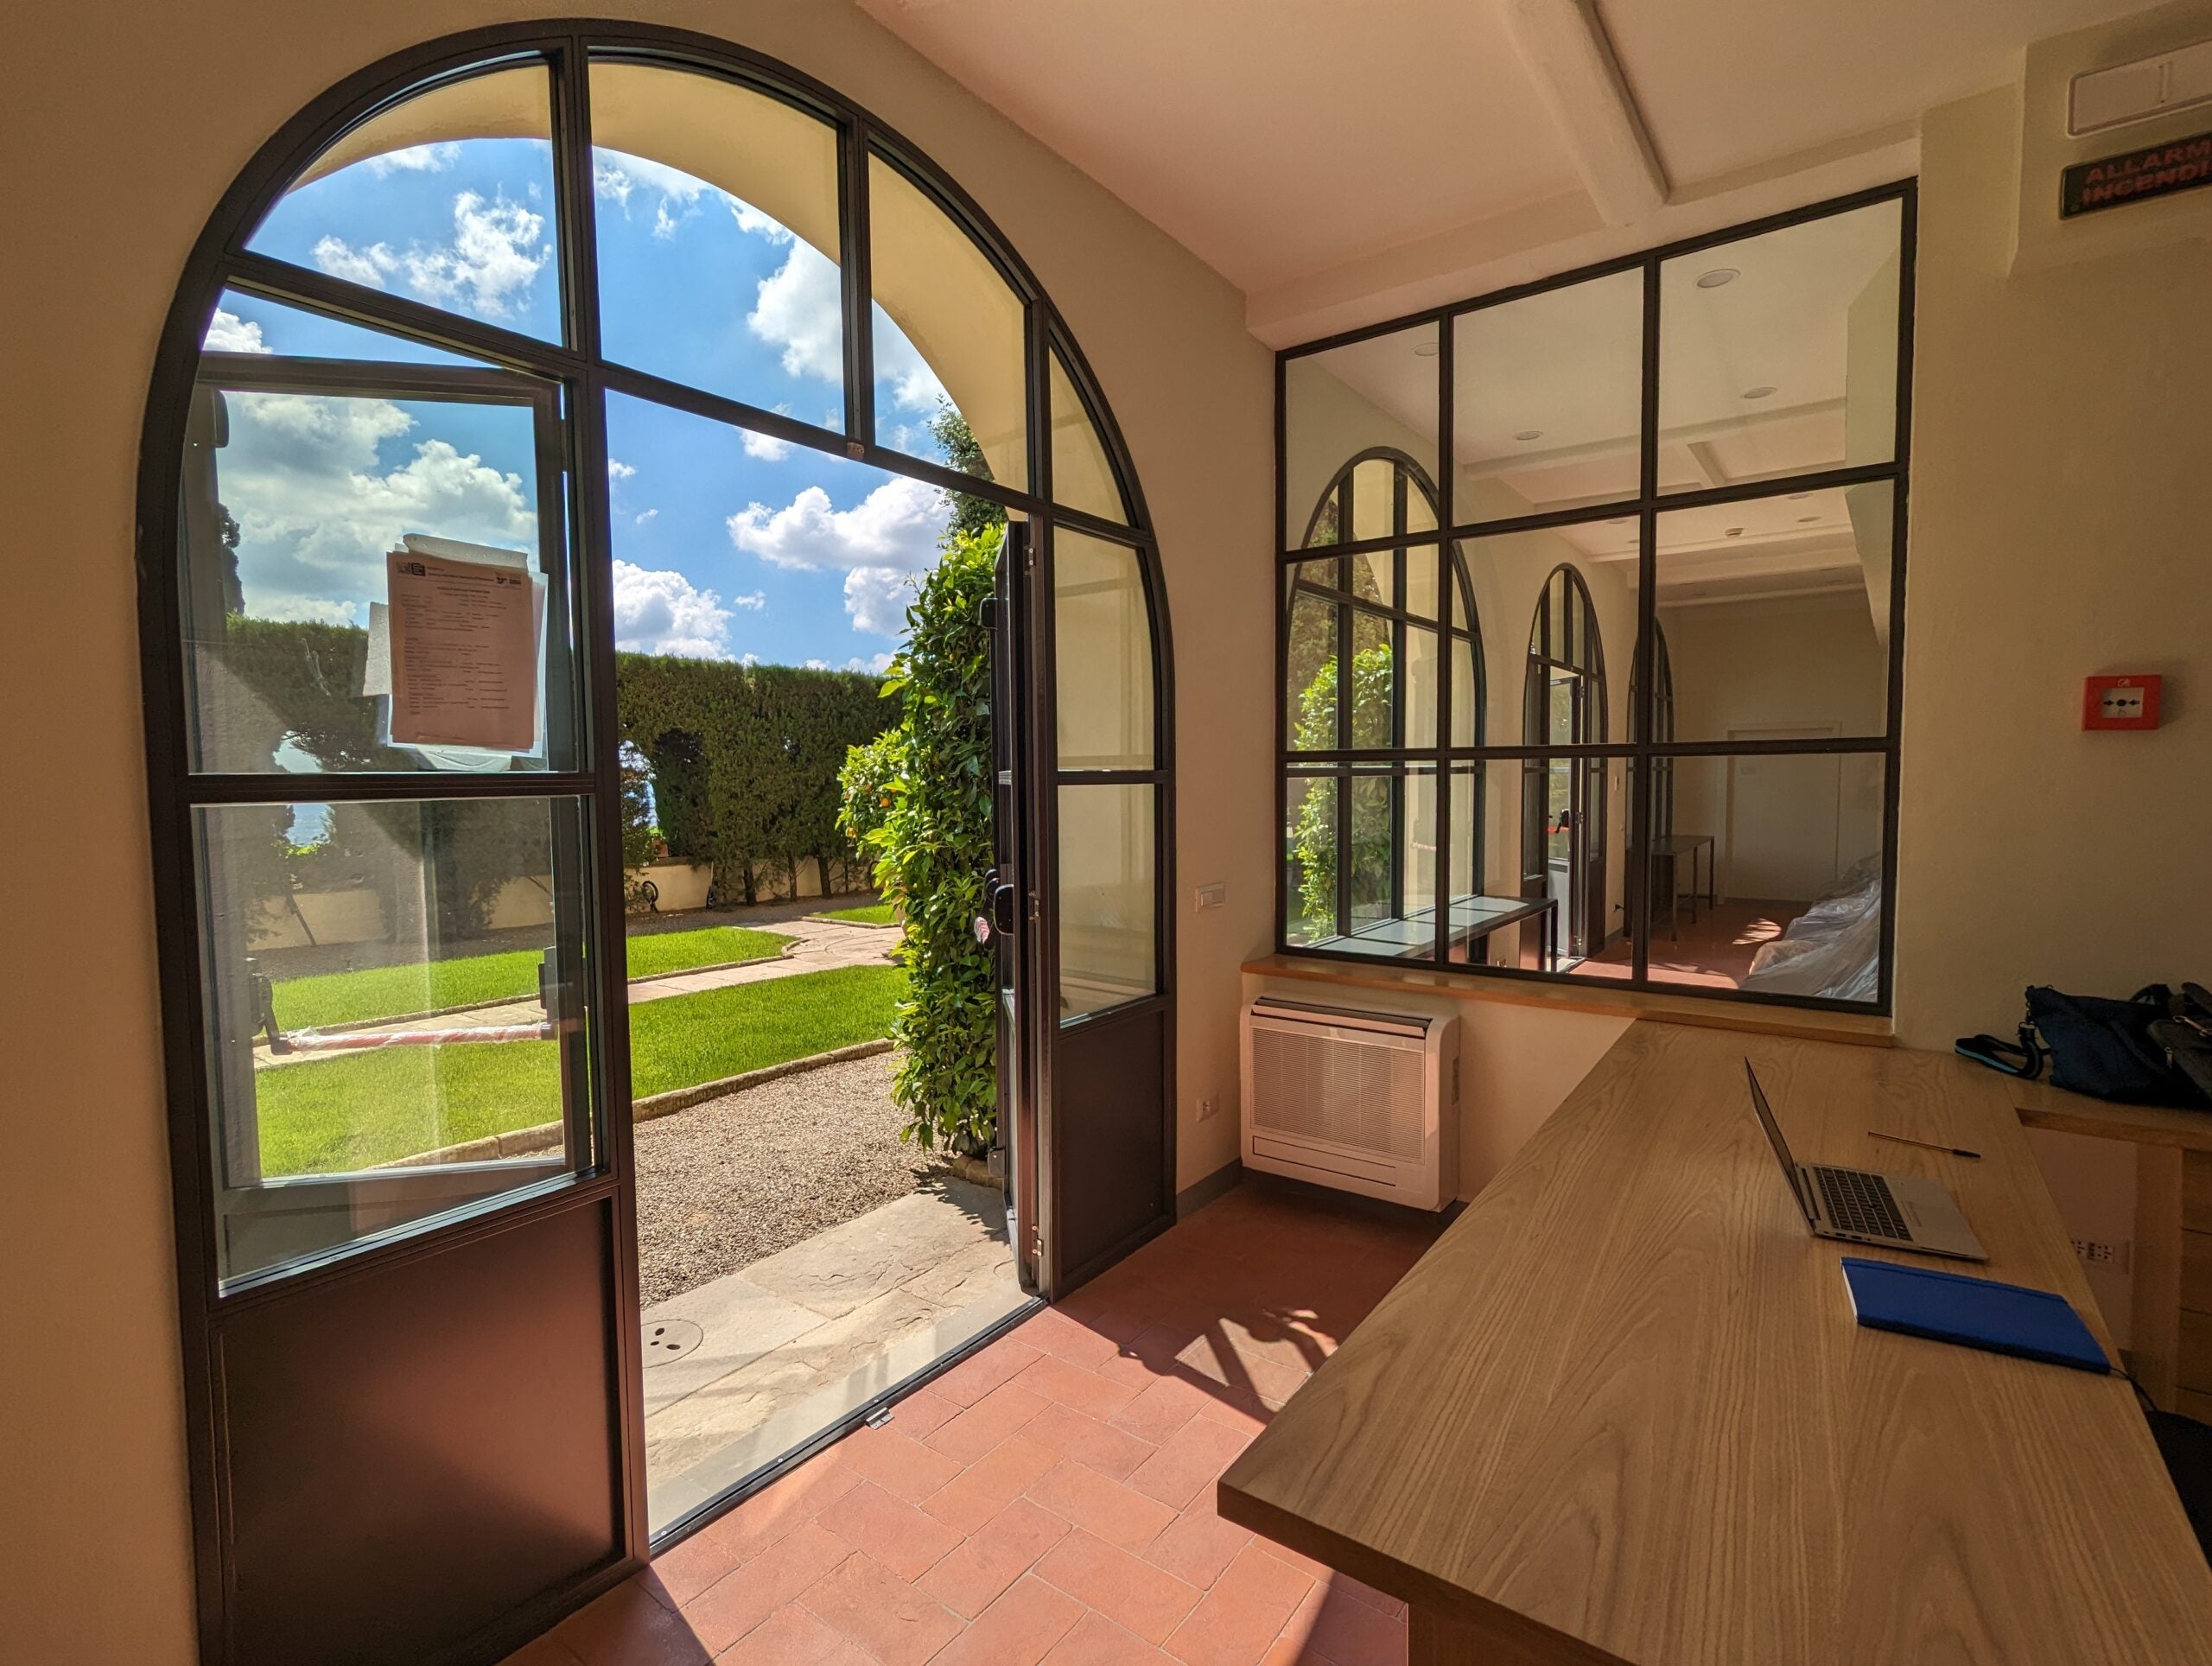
[1774, 1138]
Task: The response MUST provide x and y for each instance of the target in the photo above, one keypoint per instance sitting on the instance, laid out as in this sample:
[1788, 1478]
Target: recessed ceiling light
[1718, 277]
[1530, 433]
[1425, 349]
[1799, 497]
[1806, 520]
[1757, 393]
[1735, 531]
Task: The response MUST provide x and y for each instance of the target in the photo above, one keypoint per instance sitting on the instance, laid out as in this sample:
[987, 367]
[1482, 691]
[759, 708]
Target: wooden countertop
[1621, 1412]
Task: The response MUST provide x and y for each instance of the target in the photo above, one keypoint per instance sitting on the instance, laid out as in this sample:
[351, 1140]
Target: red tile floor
[1051, 1496]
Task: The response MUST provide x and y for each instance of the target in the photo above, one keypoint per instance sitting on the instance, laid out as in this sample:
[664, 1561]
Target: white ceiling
[1338, 160]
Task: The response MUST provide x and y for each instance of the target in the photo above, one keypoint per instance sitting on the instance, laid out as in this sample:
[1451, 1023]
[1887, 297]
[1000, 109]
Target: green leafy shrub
[918, 800]
[1314, 835]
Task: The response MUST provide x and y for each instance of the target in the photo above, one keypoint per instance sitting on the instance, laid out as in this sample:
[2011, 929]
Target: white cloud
[875, 663]
[659, 612]
[817, 664]
[228, 333]
[318, 509]
[896, 527]
[876, 597]
[416, 159]
[497, 250]
[340, 258]
[751, 219]
[767, 447]
[800, 308]
[643, 518]
[618, 470]
[752, 603]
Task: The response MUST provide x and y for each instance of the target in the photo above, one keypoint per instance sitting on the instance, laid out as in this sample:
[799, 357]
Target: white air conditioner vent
[1365, 1101]
[1354, 1088]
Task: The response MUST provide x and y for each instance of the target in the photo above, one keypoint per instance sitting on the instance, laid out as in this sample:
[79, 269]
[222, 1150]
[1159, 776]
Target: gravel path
[728, 1182]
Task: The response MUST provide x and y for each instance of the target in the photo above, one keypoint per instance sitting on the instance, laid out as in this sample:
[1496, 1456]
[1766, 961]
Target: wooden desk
[1621, 1412]
[2169, 1328]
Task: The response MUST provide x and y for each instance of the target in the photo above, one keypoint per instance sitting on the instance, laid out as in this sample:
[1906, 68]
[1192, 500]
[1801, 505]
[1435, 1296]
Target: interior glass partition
[1690, 467]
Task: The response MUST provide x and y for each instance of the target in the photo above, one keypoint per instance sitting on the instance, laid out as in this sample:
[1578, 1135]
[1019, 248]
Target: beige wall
[127, 122]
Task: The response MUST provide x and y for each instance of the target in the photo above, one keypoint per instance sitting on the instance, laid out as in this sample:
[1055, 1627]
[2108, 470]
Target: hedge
[744, 761]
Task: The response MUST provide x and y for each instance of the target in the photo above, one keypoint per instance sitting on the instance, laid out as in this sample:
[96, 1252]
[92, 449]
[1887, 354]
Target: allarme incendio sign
[2156, 170]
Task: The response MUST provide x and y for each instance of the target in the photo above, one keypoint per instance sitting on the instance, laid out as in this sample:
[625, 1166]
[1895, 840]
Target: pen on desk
[1930, 1145]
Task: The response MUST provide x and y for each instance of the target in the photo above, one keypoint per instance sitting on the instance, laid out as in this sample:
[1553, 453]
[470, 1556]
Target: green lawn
[331, 1114]
[395, 991]
[875, 913]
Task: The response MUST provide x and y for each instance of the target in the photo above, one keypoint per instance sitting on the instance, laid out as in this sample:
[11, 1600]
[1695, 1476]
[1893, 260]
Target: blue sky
[727, 545]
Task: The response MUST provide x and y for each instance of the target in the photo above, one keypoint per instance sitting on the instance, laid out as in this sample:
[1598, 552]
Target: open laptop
[1898, 1212]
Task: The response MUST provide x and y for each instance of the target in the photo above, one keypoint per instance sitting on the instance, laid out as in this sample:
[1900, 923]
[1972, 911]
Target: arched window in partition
[517, 352]
[1364, 822]
[1563, 810]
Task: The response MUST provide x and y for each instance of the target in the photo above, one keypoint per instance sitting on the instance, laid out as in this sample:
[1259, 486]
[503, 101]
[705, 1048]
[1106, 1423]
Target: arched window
[1363, 832]
[1563, 797]
[519, 352]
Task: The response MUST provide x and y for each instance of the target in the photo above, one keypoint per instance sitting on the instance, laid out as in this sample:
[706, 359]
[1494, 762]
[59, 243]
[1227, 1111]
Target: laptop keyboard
[1860, 1203]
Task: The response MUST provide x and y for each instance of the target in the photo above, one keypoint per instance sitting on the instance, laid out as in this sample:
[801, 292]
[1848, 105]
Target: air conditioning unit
[1363, 1101]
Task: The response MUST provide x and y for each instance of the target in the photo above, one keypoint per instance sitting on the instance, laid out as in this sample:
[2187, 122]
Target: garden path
[820, 945]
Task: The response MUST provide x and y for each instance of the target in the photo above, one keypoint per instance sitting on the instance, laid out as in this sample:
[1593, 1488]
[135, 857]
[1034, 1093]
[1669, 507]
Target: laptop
[1898, 1212]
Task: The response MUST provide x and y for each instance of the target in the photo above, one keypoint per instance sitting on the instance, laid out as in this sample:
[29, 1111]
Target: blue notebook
[1975, 1313]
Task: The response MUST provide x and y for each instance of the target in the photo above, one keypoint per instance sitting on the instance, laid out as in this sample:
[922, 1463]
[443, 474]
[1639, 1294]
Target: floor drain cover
[670, 1338]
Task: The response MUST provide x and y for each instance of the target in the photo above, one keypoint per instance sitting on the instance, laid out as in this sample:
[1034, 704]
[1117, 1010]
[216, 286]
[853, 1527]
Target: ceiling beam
[1563, 43]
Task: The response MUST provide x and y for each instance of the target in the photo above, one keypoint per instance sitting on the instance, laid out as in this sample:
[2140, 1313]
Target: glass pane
[1770, 614]
[250, 323]
[373, 571]
[1375, 578]
[1421, 692]
[1373, 678]
[1327, 526]
[1083, 477]
[1566, 857]
[717, 227]
[1466, 693]
[1381, 393]
[732, 545]
[1309, 693]
[1769, 875]
[1778, 353]
[1309, 847]
[1547, 399]
[378, 1044]
[1374, 853]
[1375, 507]
[1102, 641]
[1107, 898]
[1499, 916]
[1420, 581]
[447, 199]
[955, 340]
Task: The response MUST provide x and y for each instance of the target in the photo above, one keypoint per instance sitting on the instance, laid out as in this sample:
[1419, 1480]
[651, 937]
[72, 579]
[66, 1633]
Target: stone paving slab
[881, 1296]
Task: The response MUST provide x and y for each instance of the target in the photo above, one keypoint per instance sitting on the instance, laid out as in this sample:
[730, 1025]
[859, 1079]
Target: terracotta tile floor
[1050, 1497]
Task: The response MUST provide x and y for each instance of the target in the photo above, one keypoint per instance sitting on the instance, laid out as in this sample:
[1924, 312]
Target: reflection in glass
[1083, 477]
[1547, 399]
[378, 1040]
[445, 198]
[1772, 613]
[1778, 353]
[717, 228]
[1107, 896]
[958, 335]
[1377, 394]
[302, 482]
[1101, 637]
[1769, 877]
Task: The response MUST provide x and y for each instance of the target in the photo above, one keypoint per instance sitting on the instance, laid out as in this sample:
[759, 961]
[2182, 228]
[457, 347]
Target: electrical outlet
[1209, 1108]
[2097, 1252]
[1215, 896]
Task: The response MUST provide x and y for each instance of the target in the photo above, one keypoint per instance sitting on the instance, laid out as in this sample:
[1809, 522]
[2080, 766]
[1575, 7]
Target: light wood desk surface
[1622, 1412]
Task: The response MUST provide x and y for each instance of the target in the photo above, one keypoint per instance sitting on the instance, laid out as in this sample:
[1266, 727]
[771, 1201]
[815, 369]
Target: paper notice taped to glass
[463, 638]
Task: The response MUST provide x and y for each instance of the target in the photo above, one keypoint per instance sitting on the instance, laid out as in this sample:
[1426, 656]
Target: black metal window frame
[1644, 751]
[575, 376]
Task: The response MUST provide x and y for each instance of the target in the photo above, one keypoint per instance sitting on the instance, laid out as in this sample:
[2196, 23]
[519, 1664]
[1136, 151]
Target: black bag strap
[2023, 1060]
